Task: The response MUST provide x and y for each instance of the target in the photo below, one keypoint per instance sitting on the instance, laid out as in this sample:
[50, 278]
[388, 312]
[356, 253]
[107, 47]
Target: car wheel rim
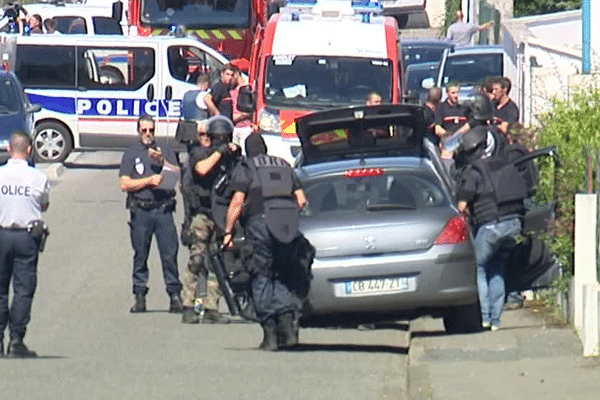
[49, 144]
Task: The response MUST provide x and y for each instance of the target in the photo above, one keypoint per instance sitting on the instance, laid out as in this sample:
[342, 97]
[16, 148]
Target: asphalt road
[91, 347]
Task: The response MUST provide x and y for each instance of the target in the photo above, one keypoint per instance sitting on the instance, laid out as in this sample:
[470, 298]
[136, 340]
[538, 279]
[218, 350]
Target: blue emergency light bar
[366, 6]
[358, 5]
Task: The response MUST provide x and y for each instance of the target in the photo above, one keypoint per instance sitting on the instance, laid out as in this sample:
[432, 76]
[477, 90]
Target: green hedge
[572, 126]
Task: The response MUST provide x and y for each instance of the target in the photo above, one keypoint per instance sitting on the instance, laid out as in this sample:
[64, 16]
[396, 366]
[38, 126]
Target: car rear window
[470, 69]
[369, 190]
[8, 96]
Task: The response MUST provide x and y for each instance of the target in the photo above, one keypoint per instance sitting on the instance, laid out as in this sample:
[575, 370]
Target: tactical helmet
[220, 129]
[481, 108]
[473, 139]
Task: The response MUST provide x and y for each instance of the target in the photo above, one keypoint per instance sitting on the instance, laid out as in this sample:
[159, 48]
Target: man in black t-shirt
[218, 100]
[450, 116]
[505, 111]
[434, 95]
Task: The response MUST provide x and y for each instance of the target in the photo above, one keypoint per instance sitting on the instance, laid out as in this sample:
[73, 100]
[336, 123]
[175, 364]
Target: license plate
[403, 284]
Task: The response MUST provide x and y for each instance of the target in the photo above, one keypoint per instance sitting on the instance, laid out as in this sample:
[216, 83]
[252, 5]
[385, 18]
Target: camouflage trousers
[202, 229]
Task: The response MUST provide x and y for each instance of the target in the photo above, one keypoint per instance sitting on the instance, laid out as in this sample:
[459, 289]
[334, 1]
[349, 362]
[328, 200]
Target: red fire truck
[228, 26]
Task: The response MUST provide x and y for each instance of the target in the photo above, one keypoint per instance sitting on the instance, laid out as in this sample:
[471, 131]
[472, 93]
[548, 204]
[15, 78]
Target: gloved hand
[223, 148]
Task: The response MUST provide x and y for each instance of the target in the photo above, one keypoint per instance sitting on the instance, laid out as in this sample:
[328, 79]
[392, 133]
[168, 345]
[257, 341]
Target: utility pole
[586, 15]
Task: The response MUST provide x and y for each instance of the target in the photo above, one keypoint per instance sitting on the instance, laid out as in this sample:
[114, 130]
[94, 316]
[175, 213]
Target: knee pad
[196, 263]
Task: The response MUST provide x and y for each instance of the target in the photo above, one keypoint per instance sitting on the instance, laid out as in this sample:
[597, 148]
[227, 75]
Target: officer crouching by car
[491, 191]
[209, 165]
[269, 194]
[24, 195]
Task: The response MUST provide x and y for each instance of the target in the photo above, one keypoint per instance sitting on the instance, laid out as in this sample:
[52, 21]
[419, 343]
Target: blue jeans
[493, 244]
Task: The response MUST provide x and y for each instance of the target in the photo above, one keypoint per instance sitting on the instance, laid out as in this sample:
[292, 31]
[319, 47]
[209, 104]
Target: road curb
[54, 171]
[418, 379]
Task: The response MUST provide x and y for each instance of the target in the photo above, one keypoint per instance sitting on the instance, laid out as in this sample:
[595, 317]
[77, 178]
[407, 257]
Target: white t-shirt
[24, 190]
[200, 99]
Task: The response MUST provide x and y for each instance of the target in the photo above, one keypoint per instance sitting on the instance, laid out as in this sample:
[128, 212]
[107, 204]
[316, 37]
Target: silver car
[390, 242]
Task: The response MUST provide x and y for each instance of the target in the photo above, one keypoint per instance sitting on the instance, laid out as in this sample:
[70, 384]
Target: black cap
[255, 145]
[481, 108]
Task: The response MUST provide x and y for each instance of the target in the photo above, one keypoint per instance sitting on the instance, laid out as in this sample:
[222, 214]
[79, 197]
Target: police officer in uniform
[24, 195]
[495, 224]
[273, 197]
[151, 210]
[208, 164]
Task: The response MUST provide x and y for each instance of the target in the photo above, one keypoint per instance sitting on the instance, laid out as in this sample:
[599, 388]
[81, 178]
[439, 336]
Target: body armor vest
[271, 194]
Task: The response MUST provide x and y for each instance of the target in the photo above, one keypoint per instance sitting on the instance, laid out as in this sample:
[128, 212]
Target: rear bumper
[446, 277]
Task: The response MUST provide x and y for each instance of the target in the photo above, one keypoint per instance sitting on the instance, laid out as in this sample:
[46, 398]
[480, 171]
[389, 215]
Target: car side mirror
[246, 99]
[33, 108]
[117, 10]
[427, 83]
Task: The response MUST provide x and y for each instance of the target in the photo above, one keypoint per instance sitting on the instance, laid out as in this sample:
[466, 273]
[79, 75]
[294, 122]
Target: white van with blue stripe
[94, 88]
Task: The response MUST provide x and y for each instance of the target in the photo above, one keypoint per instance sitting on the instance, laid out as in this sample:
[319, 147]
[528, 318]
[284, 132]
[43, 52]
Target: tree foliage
[572, 126]
[524, 8]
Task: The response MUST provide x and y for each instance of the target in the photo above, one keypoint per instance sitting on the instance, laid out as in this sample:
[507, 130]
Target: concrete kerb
[54, 170]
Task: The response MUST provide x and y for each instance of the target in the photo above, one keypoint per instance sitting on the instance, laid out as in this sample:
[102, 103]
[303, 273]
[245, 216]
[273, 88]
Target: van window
[71, 25]
[106, 26]
[471, 69]
[187, 63]
[115, 68]
[46, 66]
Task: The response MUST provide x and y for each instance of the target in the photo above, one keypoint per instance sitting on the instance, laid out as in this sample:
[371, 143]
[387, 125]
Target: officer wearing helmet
[480, 115]
[268, 197]
[488, 192]
[209, 162]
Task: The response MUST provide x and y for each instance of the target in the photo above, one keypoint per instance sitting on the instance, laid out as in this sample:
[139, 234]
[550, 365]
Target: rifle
[238, 299]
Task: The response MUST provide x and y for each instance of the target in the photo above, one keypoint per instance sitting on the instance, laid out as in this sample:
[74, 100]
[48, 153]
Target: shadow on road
[90, 166]
[354, 348]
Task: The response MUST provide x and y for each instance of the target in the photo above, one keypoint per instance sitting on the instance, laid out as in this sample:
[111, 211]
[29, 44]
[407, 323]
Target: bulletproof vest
[195, 191]
[221, 192]
[272, 188]
[504, 189]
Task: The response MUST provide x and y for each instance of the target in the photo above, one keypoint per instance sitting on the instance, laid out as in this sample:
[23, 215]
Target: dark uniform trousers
[144, 223]
[271, 290]
[18, 261]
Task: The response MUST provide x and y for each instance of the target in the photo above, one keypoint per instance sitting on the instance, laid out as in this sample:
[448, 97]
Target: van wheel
[52, 142]
[463, 319]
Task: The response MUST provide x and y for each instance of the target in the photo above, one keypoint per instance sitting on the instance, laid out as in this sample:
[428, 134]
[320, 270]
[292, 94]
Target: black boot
[269, 342]
[287, 334]
[140, 303]
[17, 349]
[2, 348]
[175, 306]
[189, 316]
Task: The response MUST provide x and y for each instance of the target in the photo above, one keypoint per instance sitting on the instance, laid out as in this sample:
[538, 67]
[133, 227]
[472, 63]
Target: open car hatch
[355, 132]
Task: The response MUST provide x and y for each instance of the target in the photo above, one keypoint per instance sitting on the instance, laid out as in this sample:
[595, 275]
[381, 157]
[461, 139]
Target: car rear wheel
[52, 142]
[463, 319]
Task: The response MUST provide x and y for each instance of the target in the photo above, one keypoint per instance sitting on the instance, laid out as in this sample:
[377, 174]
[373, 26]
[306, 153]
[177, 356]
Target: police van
[314, 55]
[94, 88]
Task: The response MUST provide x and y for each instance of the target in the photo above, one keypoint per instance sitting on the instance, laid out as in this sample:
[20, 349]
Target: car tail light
[363, 172]
[456, 231]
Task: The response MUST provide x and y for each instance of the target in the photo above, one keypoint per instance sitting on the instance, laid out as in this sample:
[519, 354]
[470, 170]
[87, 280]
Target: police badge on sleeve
[139, 166]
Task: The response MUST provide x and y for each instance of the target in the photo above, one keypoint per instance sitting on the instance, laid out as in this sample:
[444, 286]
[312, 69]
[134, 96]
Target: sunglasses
[147, 130]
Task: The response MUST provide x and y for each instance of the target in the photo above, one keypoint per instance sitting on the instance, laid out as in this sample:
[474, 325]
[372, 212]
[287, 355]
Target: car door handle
[168, 93]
